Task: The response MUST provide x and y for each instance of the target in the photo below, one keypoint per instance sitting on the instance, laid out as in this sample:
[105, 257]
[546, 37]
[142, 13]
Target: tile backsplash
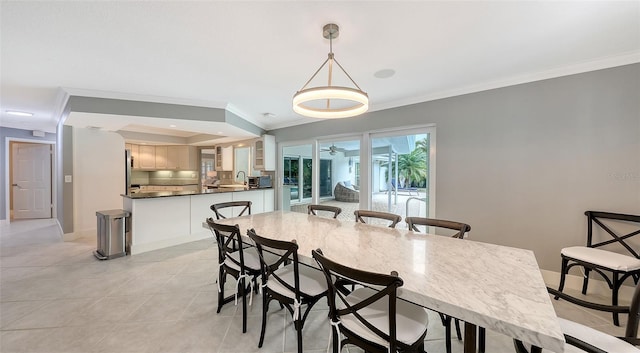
[165, 177]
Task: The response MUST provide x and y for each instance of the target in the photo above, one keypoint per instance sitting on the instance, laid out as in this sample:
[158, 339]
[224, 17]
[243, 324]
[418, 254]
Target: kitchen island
[167, 218]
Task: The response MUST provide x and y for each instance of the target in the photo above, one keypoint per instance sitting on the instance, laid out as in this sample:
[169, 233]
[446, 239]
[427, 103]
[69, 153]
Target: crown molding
[594, 65]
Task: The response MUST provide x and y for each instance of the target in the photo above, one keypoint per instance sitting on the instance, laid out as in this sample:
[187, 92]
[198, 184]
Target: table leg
[469, 337]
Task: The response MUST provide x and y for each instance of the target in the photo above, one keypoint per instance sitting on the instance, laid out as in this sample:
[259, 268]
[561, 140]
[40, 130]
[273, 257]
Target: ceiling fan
[333, 150]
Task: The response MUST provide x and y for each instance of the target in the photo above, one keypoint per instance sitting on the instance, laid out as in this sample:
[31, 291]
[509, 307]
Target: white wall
[98, 176]
[339, 168]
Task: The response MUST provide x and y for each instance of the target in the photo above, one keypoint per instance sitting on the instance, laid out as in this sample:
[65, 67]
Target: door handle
[20, 187]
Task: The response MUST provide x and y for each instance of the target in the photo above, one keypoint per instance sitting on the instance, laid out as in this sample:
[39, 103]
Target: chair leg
[221, 278]
[614, 297]
[244, 305]
[447, 335]
[265, 308]
[335, 339]
[585, 282]
[482, 339]
[458, 330]
[563, 273]
[298, 326]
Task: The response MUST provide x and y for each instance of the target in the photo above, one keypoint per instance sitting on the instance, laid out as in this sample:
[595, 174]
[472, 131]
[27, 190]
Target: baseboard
[574, 282]
[79, 234]
[4, 222]
[165, 243]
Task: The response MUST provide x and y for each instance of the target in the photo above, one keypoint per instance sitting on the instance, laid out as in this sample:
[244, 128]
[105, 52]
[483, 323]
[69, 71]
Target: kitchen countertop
[151, 195]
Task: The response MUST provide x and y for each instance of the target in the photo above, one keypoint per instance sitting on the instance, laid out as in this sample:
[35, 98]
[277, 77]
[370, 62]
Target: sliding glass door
[384, 171]
[400, 173]
[297, 181]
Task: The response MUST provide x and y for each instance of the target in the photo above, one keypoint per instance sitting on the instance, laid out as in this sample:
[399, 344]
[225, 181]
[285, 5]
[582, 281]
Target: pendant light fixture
[330, 102]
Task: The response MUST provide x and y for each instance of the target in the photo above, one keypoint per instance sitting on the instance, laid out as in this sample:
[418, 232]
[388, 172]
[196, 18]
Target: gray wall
[6, 132]
[64, 166]
[521, 164]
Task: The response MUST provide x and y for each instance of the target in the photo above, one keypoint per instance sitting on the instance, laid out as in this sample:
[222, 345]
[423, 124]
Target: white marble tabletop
[496, 287]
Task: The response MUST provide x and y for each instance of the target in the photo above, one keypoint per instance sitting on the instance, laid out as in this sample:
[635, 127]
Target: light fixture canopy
[341, 102]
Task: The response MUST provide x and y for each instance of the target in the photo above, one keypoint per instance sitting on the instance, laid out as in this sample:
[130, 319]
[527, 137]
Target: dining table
[486, 285]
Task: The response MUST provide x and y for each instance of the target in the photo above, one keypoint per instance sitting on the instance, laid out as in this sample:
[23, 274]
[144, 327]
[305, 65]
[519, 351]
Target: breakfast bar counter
[167, 218]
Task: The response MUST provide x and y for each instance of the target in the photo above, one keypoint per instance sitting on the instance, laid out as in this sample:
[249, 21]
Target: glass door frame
[367, 158]
[279, 184]
[365, 161]
[330, 140]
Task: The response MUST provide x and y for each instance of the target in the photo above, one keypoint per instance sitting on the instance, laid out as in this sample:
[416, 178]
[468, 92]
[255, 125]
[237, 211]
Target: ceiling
[251, 57]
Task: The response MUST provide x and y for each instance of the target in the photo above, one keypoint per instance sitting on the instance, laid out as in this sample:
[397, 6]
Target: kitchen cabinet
[147, 157]
[224, 158]
[182, 157]
[161, 157]
[164, 157]
[264, 153]
[183, 218]
[134, 154]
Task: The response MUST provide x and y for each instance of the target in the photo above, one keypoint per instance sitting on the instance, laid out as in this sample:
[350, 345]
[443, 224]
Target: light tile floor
[56, 297]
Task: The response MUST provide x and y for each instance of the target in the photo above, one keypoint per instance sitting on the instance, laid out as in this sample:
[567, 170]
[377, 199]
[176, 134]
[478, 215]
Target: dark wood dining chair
[316, 209]
[371, 317]
[591, 340]
[391, 217]
[288, 282]
[218, 207]
[234, 260]
[593, 257]
[458, 230]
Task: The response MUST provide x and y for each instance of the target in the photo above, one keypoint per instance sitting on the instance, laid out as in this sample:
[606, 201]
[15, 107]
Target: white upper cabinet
[264, 156]
[224, 158]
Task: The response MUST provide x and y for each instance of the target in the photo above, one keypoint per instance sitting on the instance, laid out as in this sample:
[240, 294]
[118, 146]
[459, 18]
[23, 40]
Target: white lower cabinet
[269, 200]
[160, 222]
[255, 196]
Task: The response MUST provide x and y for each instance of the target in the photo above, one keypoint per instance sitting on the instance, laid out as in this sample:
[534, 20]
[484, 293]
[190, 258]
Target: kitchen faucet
[244, 177]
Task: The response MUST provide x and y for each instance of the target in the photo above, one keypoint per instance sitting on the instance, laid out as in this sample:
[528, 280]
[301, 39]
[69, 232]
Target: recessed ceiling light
[172, 125]
[385, 73]
[17, 113]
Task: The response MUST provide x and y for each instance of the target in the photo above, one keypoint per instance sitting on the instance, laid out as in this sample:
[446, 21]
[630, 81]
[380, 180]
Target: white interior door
[31, 181]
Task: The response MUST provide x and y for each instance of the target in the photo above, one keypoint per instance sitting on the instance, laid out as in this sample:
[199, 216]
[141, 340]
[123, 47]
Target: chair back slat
[287, 252]
[228, 240]
[633, 322]
[598, 217]
[312, 209]
[218, 207]
[461, 228]
[362, 214]
[381, 284]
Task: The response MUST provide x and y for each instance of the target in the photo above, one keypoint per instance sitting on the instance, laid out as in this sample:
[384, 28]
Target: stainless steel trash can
[113, 234]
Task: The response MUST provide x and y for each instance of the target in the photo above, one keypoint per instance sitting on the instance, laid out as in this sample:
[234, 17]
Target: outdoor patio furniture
[345, 194]
[408, 190]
